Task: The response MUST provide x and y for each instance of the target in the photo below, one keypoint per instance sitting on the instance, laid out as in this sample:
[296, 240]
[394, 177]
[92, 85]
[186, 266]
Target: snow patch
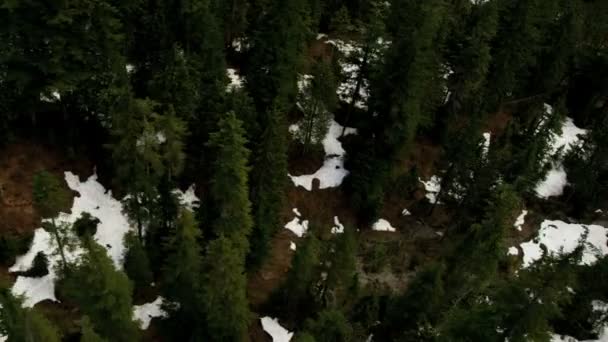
[513, 251]
[519, 222]
[296, 211]
[432, 187]
[188, 199]
[383, 225]
[297, 226]
[338, 227]
[275, 330]
[236, 81]
[486, 144]
[144, 313]
[93, 199]
[292, 246]
[332, 173]
[561, 237]
[556, 179]
[406, 212]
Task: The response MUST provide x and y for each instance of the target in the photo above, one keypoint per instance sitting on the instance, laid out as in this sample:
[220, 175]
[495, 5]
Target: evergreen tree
[23, 324]
[49, 198]
[136, 263]
[277, 45]
[87, 334]
[317, 102]
[268, 180]
[342, 270]
[330, 326]
[181, 274]
[229, 183]
[299, 292]
[102, 293]
[224, 294]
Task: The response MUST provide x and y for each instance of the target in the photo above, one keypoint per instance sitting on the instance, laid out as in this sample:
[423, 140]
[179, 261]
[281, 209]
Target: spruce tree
[102, 293]
[229, 183]
[87, 333]
[49, 197]
[136, 263]
[224, 292]
[23, 324]
[268, 180]
[317, 101]
[181, 273]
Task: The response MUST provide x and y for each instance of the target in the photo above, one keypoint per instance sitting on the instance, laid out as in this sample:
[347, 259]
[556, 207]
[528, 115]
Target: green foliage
[304, 337]
[136, 263]
[13, 245]
[39, 268]
[330, 326]
[87, 334]
[23, 324]
[268, 180]
[181, 273]
[317, 100]
[229, 183]
[341, 23]
[224, 292]
[341, 274]
[277, 42]
[49, 195]
[86, 225]
[298, 293]
[102, 293]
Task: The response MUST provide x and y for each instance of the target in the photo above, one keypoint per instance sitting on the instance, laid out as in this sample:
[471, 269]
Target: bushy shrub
[39, 268]
[86, 225]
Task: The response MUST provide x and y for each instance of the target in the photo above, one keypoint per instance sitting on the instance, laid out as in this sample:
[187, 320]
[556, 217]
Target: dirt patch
[19, 162]
[273, 272]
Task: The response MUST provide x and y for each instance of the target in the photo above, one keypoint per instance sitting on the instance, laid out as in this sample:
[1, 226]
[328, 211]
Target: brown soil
[19, 162]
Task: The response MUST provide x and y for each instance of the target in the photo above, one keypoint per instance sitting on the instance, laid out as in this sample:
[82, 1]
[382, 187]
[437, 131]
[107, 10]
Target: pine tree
[331, 325]
[23, 324]
[277, 45]
[181, 273]
[317, 101]
[102, 293]
[224, 294]
[298, 292]
[49, 198]
[136, 263]
[342, 270]
[229, 183]
[87, 333]
[268, 180]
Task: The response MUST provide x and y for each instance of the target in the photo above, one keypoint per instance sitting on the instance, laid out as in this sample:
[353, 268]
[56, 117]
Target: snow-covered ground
[432, 187]
[561, 237]
[521, 219]
[338, 227]
[332, 173]
[275, 330]
[353, 54]
[114, 224]
[298, 226]
[145, 312]
[383, 225]
[236, 81]
[556, 179]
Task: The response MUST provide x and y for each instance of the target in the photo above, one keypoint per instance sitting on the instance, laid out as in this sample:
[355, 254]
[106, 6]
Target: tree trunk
[355, 95]
[59, 245]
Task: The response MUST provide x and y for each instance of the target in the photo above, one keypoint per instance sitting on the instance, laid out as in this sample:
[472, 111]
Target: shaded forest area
[454, 138]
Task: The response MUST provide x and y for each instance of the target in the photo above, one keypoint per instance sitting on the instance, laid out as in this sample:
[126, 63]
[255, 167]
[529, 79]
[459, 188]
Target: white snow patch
[292, 246]
[321, 36]
[240, 44]
[188, 199]
[296, 211]
[432, 187]
[113, 225]
[486, 143]
[561, 237]
[144, 313]
[556, 178]
[338, 227]
[406, 212]
[53, 97]
[297, 226]
[519, 222]
[332, 173]
[130, 68]
[275, 330]
[383, 225]
[236, 81]
[513, 251]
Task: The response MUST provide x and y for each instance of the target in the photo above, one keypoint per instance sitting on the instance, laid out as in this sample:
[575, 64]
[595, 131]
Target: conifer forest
[304, 170]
